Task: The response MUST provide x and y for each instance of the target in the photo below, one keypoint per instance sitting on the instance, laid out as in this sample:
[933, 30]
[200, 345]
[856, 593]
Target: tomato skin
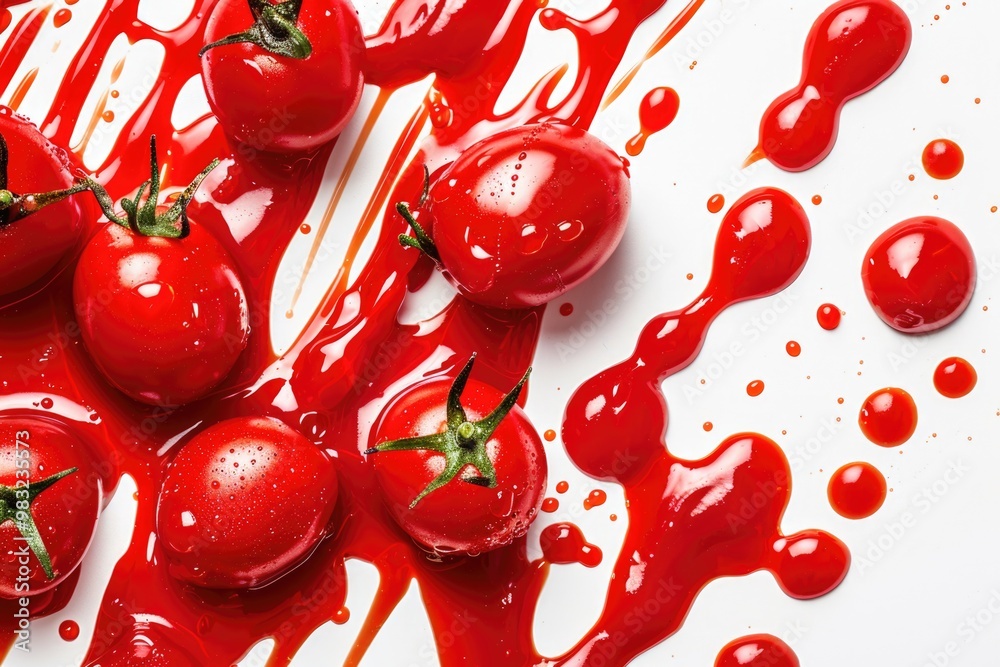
[33, 245]
[277, 104]
[65, 514]
[525, 215]
[459, 518]
[243, 503]
[164, 319]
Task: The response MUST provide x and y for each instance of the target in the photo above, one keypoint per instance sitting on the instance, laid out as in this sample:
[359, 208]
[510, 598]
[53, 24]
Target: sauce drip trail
[691, 522]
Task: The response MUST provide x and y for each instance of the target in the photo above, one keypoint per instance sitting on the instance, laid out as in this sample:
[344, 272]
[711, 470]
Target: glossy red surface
[852, 47]
[955, 377]
[888, 417]
[828, 316]
[757, 651]
[943, 159]
[857, 490]
[563, 544]
[657, 111]
[720, 517]
[271, 103]
[920, 275]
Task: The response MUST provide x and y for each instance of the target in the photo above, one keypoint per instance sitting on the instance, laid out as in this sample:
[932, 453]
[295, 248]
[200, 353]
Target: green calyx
[275, 29]
[464, 442]
[141, 215]
[15, 505]
[15, 206]
[421, 240]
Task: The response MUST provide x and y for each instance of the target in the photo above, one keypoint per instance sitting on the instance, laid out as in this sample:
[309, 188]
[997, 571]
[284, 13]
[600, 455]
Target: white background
[909, 594]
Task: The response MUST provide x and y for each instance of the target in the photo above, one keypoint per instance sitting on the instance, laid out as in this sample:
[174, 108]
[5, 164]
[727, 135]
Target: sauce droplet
[889, 417]
[562, 487]
[755, 388]
[566, 309]
[857, 490]
[62, 17]
[550, 435]
[828, 316]
[656, 112]
[793, 349]
[757, 651]
[817, 200]
[716, 203]
[550, 505]
[708, 426]
[955, 377]
[943, 159]
[920, 275]
[563, 544]
[596, 498]
[69, 630]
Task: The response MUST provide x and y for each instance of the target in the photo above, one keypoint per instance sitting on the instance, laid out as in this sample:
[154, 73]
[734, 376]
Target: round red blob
[69, 630]
[920, 275]
[857, 490]
[889, 417]
[943, 159]
[955, 377]
[755, 388]
[828, 316]
[757, 651]
[658, 109]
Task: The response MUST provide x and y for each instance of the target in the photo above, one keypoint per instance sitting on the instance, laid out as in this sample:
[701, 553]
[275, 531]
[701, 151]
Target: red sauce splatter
[305, 228]
[793, 349]
[852, 47]
[550, 505]
[943, 159]
[62, 17]
[69, 630]
[945, 78]
[920, 275]
[341, 616]
[566, 309]
[708, 426]
[757, 651]
[5, 19]
[716, 203]
[817, 200]
[889, 417]
[562, 487]
[828, 316]
[550, 435]
[955, 377]
[656, 112]
[596, 498]
[564, 544]
[755, 388]
[857, 490]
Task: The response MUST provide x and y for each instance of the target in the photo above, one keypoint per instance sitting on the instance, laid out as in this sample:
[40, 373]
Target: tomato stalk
[423, 241]
[275, 29]
[15, 505]
[14, 206]
[141, 216]
[463, 443]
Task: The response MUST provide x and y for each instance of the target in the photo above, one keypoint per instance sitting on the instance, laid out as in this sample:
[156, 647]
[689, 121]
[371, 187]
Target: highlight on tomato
[159, 301]
[523, 216]
[461, 468]
[243, 503]
[283, 77]
[50, 501]
[40, 222]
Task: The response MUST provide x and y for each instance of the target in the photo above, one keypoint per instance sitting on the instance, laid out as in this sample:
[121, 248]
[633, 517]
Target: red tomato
[61, 502]
[243, 503]
[527, 214]
[31, 246]
[271, 99]
[164, 319]
[473, 480]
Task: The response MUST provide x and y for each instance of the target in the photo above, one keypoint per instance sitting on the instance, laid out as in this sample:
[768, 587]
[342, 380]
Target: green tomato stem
[15, 505]
[275, 29]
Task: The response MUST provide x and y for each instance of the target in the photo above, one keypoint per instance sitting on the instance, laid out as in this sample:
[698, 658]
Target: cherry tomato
[461, 468]
[243, 503]
[50, 499]
[160, 305]
[32, 245]
[288, 82]
[525, 215]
